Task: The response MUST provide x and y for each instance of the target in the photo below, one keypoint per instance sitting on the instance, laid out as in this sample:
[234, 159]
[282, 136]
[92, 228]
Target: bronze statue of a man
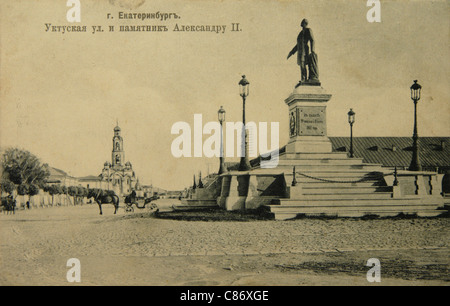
[306, 60]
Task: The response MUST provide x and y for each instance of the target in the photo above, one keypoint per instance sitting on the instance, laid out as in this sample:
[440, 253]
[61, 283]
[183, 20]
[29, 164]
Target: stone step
[331, 167]
[347, 190]
[420, 212]
[339, 179]
[331, 171]
[346, 196]
[317, 209]
[196, 202]
[336, 180]
[365, 209]
[356, 202]
[192, 207]
[330, 185]
[312, 155]
[299, 162]
[190, 204]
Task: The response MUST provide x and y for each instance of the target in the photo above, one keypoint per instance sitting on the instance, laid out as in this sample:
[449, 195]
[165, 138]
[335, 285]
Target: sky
[62, 94]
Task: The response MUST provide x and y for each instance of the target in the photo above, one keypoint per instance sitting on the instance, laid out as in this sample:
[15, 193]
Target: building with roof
[434, 152]
[118, 175]
[396, 152]
[92, 181]
[60, 177]
[389, 152]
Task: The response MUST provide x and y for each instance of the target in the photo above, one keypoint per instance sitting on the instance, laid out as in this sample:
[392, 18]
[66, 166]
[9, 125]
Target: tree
[33, 189]
[59, 190]
[82, 192]
[8, 186]
[72, 190]
[22, 189]
[22, 170]
[64, 192]
[22, 167]
[52, 190]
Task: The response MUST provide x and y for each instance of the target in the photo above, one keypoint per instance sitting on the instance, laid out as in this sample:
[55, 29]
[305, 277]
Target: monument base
[307, 120]
[309, 144]
[312, 180]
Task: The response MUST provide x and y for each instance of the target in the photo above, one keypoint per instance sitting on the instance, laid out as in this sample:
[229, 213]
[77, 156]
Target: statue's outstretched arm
[292, 51]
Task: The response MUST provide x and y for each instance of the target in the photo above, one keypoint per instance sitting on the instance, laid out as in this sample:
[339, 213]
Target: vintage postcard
[224, 143]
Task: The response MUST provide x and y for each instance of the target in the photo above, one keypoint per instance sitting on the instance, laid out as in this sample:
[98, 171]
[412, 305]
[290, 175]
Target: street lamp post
[244, 92]
[221, 116]
[415, 161]
[108, 177]
[351, 120]
[294, 181]
[200, 183]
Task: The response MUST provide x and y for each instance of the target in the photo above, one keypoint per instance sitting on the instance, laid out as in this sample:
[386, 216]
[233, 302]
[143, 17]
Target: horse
[9, 205]
[104, 197]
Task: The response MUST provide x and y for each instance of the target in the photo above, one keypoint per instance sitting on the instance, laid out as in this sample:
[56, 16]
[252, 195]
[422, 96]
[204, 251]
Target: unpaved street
[137, 249]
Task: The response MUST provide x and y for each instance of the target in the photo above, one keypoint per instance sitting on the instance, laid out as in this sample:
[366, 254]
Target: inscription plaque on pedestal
[307, 120]
[311, 121]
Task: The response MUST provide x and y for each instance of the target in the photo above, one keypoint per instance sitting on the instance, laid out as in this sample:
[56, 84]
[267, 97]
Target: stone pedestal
[237, 192]
[251, 202]
[307, 120]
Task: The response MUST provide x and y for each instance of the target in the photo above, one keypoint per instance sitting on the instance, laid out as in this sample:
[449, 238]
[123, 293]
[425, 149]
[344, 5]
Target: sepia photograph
[224, 148]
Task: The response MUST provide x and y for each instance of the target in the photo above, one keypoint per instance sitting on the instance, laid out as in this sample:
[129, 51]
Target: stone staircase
[331, 184]
[327, 184]
[190, 205]
[353, 207]
[202, 198]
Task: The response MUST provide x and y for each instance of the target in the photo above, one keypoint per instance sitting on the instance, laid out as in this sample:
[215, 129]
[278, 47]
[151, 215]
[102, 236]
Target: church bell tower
[118, 155]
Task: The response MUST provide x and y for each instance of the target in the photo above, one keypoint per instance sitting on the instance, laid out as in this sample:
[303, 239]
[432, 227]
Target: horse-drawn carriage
[109, 197]
[139, 202]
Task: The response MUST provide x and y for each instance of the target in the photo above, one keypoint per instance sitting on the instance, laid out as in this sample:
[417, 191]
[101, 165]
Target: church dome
[117, 129]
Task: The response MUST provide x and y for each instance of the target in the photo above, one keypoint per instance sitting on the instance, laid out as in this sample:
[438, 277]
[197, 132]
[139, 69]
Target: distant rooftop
[434, 152]
[56, 172]
[90, 178]
[397, 151]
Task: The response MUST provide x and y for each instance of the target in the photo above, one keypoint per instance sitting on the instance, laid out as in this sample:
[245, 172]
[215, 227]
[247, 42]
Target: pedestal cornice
[313, 94]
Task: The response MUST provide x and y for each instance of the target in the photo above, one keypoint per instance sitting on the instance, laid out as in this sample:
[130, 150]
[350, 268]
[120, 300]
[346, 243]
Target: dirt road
[136, 249]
